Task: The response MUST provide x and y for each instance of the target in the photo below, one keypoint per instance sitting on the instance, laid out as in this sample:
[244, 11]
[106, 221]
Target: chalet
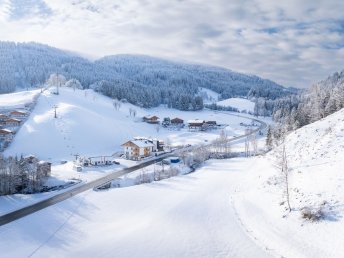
[177, 121]
[158, 144]
[18, 114]
[12, 122]
[137, 149]
[196, 124]
[151, 119]
[6, 134]
[3, 118]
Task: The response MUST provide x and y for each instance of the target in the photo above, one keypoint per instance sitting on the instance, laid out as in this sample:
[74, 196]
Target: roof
[141, 143]
[19, 112]
[177, 119]
[5, 131]
[151, 117]
[3, 116]
[13, 120]
[196, 121]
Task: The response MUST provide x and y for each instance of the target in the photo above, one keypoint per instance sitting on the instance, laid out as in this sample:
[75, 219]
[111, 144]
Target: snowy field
[88, 124]
[185, 216]
[18, 99]
[239, 103]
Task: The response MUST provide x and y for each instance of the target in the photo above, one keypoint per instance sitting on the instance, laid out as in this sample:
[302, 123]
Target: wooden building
[6, 135]
[196, 124]
[151, 119]
[12, 122]
[177, 121]
[137, 149]
[18, 114]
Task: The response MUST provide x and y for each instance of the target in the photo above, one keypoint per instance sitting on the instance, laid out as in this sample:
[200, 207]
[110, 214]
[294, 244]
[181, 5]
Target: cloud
[291, 42]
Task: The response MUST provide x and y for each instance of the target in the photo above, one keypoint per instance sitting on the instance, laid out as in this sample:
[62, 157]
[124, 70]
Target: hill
[142, 80]
[88, 124]
[315, 158]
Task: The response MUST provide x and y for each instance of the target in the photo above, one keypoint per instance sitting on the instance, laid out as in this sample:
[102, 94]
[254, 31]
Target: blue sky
[295, 43]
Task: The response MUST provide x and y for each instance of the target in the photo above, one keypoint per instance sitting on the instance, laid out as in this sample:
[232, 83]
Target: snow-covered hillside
[239, 103]
[18, 99]
[187, 216]
[88, 124]
[315, 156]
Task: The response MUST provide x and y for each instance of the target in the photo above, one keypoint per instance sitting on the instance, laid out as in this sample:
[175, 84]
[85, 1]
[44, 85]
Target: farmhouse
[177, 121]
[196, 124]
[3, 118]
[6, 134]
[12, 122]
[151, 119]
[137, 149]
[18, 114]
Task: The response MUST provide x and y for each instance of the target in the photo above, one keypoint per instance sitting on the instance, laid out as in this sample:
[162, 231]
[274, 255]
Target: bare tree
[283, 167]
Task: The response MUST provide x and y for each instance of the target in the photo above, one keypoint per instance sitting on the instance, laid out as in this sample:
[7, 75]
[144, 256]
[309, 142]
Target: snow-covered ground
[88, 124]
[239, 103]
[185, 216]
[315, 155]
[17, 99]
[209, 96]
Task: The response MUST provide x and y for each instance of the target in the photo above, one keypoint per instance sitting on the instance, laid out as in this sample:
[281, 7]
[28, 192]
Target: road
[22, 212]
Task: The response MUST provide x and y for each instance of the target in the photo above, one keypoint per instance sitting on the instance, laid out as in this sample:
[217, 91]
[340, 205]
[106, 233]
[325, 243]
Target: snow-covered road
[185, 216]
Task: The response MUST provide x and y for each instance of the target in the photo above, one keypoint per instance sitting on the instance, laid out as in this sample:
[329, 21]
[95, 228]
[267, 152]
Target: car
[115, 162]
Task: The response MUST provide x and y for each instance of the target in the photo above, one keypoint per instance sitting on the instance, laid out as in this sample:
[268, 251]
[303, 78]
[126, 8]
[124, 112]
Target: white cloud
[292, 42]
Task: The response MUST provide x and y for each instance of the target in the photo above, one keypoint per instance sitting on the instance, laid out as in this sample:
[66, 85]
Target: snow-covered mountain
[142, 80]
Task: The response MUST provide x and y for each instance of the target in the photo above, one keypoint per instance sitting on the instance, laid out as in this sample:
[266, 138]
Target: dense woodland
[319, 101]
[141, 80]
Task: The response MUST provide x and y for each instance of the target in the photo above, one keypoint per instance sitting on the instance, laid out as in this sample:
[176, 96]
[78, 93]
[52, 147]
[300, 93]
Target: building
[138, 149]
[211, 123]
[177, 121]
[100, 160]
[18, 114]
[3, 118]
[197, 124]
[151, 119]
[6, 135]
[12, 122]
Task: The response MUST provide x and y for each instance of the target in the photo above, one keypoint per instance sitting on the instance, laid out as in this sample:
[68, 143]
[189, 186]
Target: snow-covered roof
[142, 143]
[151, 117]
[5, 131]
[196, 121]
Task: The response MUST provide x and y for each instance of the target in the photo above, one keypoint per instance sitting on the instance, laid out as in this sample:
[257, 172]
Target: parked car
[115, 162]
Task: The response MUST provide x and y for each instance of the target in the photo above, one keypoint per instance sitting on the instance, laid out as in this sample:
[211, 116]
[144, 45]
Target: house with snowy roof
[137, 149]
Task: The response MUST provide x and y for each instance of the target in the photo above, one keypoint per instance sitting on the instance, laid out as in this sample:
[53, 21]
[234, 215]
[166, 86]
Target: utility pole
[55, 113]
[57, 84]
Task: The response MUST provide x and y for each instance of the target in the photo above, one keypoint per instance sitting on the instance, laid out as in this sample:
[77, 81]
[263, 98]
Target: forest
[141, 80]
